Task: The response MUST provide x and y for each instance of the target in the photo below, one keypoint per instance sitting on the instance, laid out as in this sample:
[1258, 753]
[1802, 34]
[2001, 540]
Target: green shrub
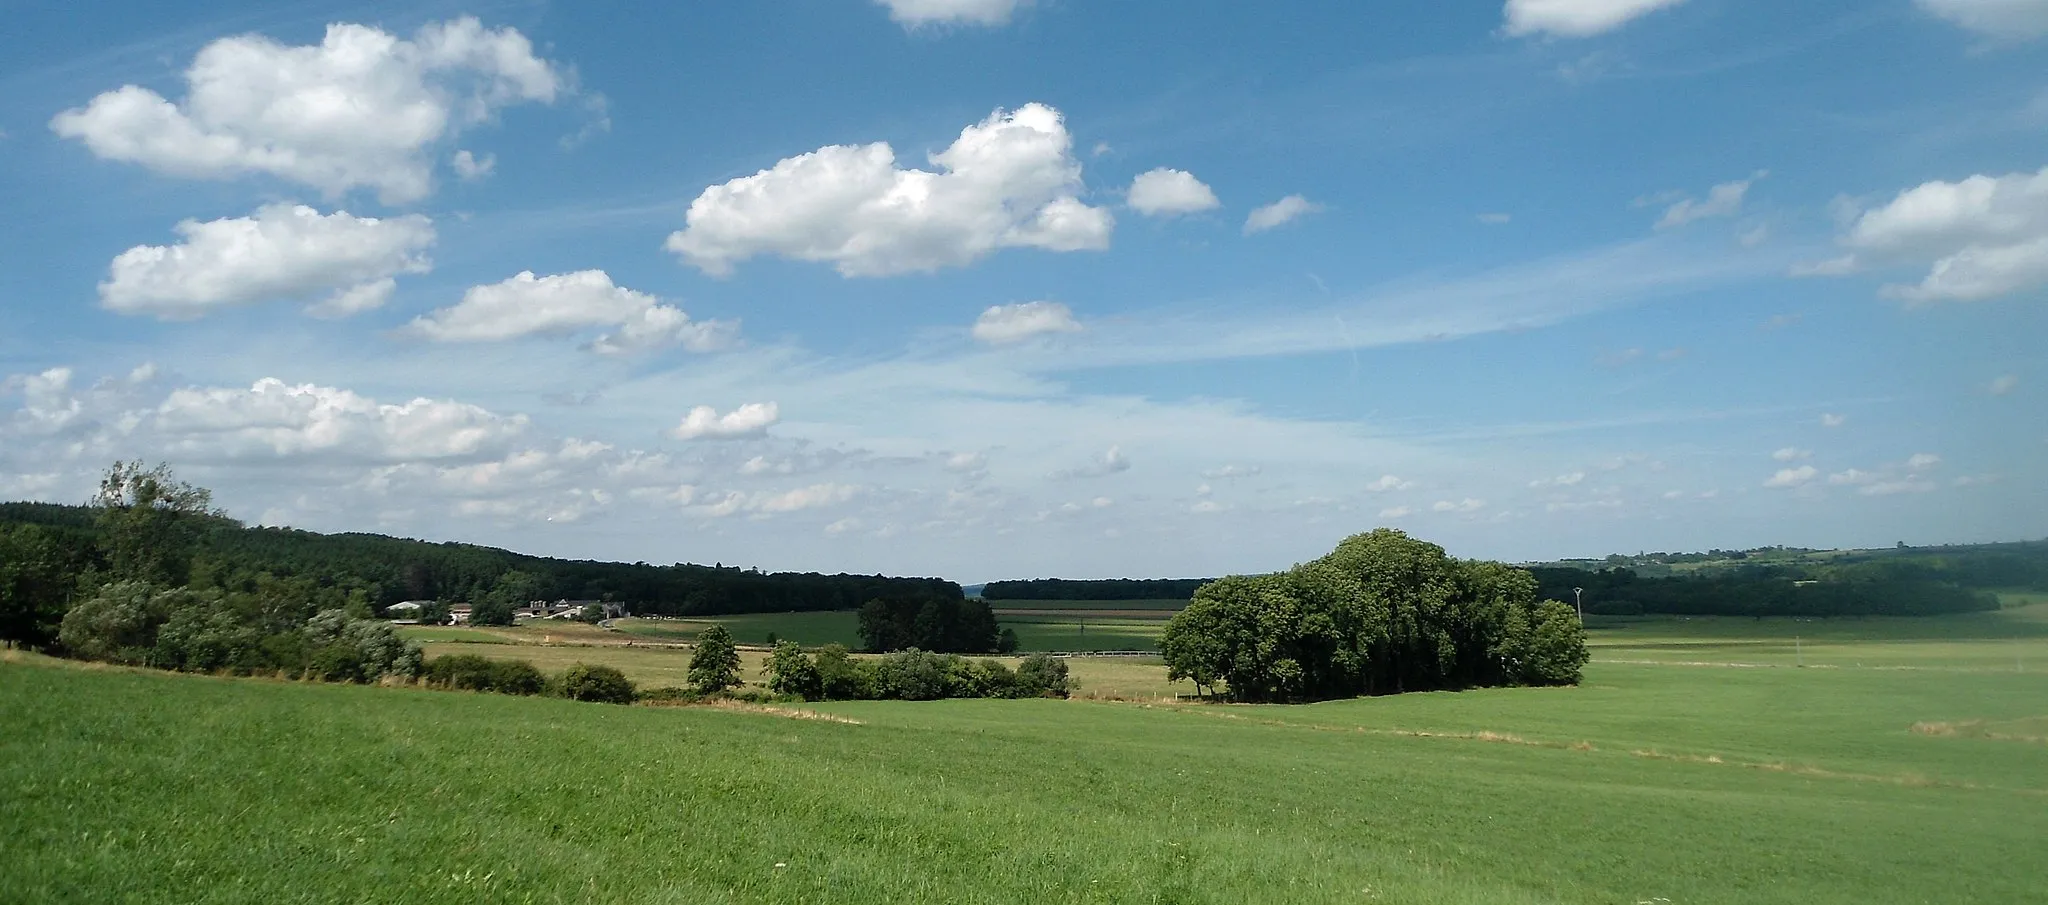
[792, 672]
[985, 679]
[1043, 676]
[841, 677]
[208, 638]
[469, 672]
[914, 675]
[584, 682]
[517, 677]
[668, 694]
[118, 624]
[377, 649]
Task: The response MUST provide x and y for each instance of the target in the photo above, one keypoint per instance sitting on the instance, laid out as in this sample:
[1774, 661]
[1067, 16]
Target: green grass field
[1687, 784]
[1056, 633]
[808, 629]
[1709, 770]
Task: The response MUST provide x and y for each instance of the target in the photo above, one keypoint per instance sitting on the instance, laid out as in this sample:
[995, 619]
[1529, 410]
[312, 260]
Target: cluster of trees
[949, 625]
[910, 675]
[120, 588]
[1383, 613]
[1102, 589]
[1863, 589]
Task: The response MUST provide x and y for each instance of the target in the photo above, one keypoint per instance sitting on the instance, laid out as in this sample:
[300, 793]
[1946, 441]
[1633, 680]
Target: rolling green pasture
[1653, 782]
[809, 629]
[1060, 633]
[2008, 639]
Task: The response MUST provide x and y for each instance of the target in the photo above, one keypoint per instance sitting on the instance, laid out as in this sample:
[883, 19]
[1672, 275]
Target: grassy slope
[126, 787]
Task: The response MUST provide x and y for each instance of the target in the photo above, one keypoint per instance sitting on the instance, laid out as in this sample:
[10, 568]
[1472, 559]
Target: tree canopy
[1382, 613]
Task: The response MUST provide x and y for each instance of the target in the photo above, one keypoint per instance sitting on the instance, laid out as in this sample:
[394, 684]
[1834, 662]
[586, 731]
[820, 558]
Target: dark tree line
[47, 550]
[1383, 613]
[1873, 590]
[1100, 589]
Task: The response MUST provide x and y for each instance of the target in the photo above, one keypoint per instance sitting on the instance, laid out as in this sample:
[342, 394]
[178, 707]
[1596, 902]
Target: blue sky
[1001, 288]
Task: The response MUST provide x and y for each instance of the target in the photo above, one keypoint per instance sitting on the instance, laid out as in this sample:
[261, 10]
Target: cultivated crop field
[1921, 776]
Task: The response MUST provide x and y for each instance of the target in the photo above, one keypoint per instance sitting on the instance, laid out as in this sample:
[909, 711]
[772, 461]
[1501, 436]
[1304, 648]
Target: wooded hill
[391, 569]
[1768, 581]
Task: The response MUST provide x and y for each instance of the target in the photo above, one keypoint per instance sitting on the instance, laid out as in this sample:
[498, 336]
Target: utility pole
[1579, 600]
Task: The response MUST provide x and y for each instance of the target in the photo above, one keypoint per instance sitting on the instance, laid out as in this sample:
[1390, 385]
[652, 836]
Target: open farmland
[814, 629]
[1051, 628]
[1654, 780]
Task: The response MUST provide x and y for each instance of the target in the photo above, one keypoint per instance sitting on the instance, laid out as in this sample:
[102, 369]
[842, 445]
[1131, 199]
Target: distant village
[416, 612]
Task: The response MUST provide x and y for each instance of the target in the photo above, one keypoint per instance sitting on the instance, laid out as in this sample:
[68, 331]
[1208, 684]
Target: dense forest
[1901, 581]
[386, 570]
[1103, 589]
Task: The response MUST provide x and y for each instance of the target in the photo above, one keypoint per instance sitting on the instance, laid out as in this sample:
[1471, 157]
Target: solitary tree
[150, 521]
[715, 666]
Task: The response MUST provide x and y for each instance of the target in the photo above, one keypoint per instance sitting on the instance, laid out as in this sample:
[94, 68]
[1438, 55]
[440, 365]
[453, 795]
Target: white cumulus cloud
[275, 420]
[1793, 477]
[1923, 461]
[2003, 385]
[2007, 19]
[705, 423]
[914, 13]
[1009, 181]
[1388, 483]
[1576, 18]
[363, 108]
[281, 251]
[1279, 213]
[1792, 454]
[470, 167]
[1980, 238]
[1170, 193]
[529, 305]
[1724, 200]
[1831, 420]
[1024, 320]
[1468, 504]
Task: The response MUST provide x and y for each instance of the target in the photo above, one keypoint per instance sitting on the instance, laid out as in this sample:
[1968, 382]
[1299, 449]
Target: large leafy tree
[715, 665]
[150, 522]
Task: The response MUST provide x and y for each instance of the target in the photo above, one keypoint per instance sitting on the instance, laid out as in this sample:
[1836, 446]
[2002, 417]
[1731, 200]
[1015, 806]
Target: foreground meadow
[1685, 783]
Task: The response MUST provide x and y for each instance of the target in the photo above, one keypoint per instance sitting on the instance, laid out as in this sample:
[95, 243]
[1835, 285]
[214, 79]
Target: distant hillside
[391, 569]
[1764, 581]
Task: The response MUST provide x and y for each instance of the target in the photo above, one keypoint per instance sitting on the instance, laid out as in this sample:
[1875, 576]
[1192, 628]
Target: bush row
[911, 675]
[469, 672]
[138, 623]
